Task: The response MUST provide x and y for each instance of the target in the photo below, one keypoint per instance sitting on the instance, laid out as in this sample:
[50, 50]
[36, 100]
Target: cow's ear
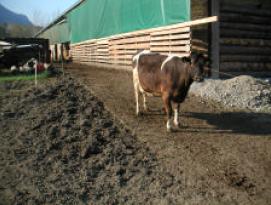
[186, 60]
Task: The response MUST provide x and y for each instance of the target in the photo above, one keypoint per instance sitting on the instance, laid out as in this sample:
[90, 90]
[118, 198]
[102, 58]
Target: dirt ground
[220, 156]
[60, 145]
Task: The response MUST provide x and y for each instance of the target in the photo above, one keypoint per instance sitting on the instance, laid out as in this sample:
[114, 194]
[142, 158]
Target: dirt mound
[60, 146]
[243, 92]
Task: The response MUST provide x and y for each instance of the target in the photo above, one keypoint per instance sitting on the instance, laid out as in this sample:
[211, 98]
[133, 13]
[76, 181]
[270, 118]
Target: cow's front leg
[176, 107]
[168, 108]
[145, 101]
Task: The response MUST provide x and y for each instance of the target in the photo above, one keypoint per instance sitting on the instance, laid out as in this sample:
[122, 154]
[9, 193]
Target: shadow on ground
[235, 122]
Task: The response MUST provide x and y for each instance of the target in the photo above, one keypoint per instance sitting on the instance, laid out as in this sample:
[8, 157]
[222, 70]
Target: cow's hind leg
[168, 108]
[136, 90]
[176, 108]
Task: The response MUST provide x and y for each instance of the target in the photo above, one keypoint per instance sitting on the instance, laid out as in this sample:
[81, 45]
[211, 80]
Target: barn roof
[60, 18]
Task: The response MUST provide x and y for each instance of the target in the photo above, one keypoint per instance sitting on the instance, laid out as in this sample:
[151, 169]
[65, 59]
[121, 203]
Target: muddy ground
[60, 145]
[222, 154]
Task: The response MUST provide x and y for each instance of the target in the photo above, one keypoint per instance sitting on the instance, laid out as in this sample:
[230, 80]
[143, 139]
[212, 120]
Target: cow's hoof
[138, 114]
[169, 129]
[163, 111]
[182, 125]
[147, 109]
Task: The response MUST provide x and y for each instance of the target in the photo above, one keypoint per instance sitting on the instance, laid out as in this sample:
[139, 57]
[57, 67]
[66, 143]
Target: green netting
[59, 33]
[101, 18]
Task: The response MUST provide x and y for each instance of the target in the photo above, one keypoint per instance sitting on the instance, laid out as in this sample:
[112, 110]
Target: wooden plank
[235, 66]
[245, 50]
[232, 17]
[246, 58]
[170, 48]
[130, 40]
[214, 30]
[131, 46]
[171, 31]
[170, 42]
[243, 10]
[245, 42]
[199, 42]
[181, 54]
[231, 33]
[258, 74]
[102, 42]
[122, 52]
[245, 27]
[198, 48]
[171, 37]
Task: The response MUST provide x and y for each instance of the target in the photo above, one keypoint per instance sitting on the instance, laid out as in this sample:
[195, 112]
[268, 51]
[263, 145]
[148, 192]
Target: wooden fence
[245, 39]
[119, 49]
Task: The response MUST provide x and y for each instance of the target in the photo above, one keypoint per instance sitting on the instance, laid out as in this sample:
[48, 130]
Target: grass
[23, 77]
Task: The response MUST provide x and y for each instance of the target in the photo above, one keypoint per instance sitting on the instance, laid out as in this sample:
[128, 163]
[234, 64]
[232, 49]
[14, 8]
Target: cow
[168, 76]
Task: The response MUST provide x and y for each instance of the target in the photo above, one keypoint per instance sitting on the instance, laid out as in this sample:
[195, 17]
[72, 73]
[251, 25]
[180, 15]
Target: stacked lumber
[119, 49]
[171, 41]
[123, 48]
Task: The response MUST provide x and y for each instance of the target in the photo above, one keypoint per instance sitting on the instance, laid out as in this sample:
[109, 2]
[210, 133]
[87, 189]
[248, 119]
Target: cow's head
[200, 67]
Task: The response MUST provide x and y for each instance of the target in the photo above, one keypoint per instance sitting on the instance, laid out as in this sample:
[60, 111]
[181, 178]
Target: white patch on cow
[145, 101]
[13, 68]
[169, 125]
[137, 56]
[137, 86]
[176, 117]
[169, 58]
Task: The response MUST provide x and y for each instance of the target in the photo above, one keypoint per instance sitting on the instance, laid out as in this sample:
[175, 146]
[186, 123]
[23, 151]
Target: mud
[221, 155]
[60, 146]
[78, 142]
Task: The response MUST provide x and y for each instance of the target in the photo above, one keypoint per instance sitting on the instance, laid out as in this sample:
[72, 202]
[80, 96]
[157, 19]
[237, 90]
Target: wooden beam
[214, 49]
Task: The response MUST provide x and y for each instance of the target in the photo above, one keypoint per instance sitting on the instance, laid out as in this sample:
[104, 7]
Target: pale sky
[39, 12]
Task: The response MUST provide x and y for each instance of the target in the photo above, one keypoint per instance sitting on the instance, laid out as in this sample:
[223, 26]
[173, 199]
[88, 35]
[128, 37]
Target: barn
[108, 33]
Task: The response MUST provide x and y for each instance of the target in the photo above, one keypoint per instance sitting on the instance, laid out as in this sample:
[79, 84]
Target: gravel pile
[243, 92]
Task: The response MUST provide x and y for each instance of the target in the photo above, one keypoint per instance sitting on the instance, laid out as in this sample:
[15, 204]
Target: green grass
[23, 77]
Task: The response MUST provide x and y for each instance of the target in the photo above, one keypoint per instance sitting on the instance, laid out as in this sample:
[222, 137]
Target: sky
[39, 12]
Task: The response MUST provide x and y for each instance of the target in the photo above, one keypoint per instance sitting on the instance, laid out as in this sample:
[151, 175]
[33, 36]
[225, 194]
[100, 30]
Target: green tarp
[101, 18]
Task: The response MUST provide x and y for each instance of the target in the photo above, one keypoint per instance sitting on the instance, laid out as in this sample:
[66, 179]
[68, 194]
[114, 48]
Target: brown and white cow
[167, 76]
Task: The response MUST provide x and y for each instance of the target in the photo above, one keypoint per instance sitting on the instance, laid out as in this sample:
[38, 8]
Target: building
[110, 32]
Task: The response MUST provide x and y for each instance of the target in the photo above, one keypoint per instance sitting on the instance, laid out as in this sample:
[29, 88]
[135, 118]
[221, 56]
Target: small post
[36, 75]
[62, 64]
[36, 70]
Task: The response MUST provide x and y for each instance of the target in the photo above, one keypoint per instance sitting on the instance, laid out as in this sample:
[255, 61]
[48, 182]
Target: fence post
[214, 37]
